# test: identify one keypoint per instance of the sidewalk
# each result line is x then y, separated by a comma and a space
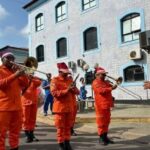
121, 112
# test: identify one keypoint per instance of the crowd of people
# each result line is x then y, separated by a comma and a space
19, 95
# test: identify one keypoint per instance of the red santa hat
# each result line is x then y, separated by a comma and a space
100, 70
63, 67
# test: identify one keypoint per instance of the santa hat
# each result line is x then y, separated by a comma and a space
63, 67
7, 54
100, 70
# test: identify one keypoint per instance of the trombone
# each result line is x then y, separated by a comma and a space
118, 82
30, 66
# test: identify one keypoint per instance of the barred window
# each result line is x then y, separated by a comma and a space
39, 22
90, 39
131, 27
40, 53
61, 12
86, 4
134, 73
61, 45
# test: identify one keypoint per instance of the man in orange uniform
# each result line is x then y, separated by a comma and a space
74, 112
10, 101
29, 103
62, 88
103, 103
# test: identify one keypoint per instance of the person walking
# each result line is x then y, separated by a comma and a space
12, 80
29, 104
62, 88
48, 96
103, 103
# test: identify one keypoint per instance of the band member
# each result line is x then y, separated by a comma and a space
62, 88
29, 104
103, 103
11, 83
74, 112
48, 96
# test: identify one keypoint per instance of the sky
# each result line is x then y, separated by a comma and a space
13, 23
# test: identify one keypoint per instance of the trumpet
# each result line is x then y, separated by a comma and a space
118, 82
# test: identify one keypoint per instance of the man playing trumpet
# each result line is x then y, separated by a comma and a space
11, 84
103, 103
63, 89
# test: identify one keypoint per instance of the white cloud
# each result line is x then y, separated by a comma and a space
25, 31
3, 12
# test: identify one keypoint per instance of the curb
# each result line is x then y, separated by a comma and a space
50, 119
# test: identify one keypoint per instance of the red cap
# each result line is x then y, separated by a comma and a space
100, 70
63, 67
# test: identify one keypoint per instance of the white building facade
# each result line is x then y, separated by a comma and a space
95, 31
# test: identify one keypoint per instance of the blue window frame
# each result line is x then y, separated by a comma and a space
39, 22
61, 11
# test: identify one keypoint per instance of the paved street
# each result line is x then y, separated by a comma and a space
127, 136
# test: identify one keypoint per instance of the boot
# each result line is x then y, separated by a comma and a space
73, 132
103, 140
15, 148
68, 146
61, 146
28, 137
33, 136
108, 140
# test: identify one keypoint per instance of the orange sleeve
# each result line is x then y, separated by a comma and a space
101, 90
23, 81
75, 91
6, 81
55, 91
37, 82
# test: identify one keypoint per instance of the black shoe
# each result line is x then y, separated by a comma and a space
68, 146
109, 140
28, 137
62, 146
33, 136
103, 140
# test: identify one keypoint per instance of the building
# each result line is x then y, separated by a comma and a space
20, 53
89, 32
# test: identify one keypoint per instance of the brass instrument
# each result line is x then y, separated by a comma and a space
118, 82
30, 66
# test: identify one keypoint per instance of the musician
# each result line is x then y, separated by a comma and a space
29, 100
103, 103
62, 88
74, 112
48, 96
11, 83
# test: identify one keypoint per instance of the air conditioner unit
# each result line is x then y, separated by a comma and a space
135, 54
71, 64
80, 63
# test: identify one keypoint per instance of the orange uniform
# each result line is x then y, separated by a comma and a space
74, 104
63, 106
103, 103
29, 103
10, 106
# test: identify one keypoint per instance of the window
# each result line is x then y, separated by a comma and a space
39, 22
40, 53
86, 4
131, 27
61, 47
134, 73
61, 11
90, 39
